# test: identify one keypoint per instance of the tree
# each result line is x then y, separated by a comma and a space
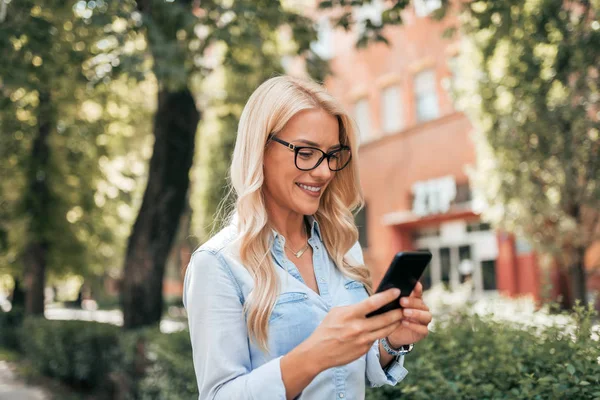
55, 137
183, 40
532, 91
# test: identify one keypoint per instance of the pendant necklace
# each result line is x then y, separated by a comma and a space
298, 253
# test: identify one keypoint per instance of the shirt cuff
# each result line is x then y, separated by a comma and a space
262, 380
378, 376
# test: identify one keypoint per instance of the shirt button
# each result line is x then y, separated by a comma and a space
341, 395
306, 296
317, 247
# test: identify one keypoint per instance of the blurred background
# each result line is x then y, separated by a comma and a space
479, 141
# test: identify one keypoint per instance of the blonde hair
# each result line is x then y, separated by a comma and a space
267, 111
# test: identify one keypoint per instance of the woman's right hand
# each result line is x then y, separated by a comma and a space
346, 333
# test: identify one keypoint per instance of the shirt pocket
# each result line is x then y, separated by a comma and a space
287, 304
293, 319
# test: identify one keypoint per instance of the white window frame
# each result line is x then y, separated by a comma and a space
424, 88
363, 122
392, 120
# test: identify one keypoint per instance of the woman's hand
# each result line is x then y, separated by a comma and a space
346, 334
416, 319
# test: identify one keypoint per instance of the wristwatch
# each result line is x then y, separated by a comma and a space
407, 348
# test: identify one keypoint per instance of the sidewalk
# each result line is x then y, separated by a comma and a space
11, 388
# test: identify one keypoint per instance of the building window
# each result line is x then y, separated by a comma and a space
425, 7
323, 47
360, 219
391, 109
488, 272
479, 227
463, 193
426, 96
363, 119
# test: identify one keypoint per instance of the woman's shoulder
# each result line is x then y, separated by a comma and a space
221, 251
212, 265
220, 242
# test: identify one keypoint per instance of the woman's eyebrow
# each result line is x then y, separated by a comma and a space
311, 143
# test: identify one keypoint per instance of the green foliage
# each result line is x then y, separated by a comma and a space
465, 357
97, 357
78, 353
10, 325
530, 85
53, 72
473, 357
170, 375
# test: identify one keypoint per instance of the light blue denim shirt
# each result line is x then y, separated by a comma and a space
228, 365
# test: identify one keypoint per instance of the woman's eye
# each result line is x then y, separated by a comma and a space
306, 154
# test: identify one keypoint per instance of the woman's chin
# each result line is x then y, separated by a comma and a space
308, 209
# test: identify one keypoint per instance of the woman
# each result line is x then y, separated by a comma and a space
277, 300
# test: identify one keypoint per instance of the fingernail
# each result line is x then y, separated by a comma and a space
408, 313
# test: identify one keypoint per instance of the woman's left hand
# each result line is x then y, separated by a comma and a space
416, 319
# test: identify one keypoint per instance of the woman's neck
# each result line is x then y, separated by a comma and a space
292, 226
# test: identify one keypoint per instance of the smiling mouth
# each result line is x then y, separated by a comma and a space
311, 189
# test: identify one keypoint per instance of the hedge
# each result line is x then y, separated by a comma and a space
465, 357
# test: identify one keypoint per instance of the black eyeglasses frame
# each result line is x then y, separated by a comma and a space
297, 149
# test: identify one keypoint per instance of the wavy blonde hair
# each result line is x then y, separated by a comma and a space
267, 111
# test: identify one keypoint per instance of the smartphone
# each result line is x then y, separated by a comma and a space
404, 273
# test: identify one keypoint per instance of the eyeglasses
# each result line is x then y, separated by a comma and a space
309, 158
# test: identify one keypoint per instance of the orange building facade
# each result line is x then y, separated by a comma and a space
414, 154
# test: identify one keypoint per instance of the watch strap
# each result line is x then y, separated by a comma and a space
405, 349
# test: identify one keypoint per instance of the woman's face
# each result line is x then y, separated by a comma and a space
285, 186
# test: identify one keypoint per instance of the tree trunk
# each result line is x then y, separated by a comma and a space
175, 125
38, 202
35, 258
17, 299
578, 278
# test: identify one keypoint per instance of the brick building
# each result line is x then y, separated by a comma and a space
415, 150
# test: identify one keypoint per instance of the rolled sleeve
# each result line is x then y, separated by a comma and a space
377, 376
220, 343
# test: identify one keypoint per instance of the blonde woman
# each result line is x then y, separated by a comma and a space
277, 300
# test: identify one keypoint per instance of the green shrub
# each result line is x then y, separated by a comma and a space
10, 323
170, 373
472, 357
466, 357
78, 353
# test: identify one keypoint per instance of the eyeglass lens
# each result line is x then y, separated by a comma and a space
307, 158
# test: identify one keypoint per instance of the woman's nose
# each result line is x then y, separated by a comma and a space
322, 171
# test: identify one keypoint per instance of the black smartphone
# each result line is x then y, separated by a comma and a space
404, 273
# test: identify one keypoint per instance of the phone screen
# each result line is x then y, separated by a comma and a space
404, 273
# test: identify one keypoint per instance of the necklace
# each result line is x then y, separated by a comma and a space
299, 253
